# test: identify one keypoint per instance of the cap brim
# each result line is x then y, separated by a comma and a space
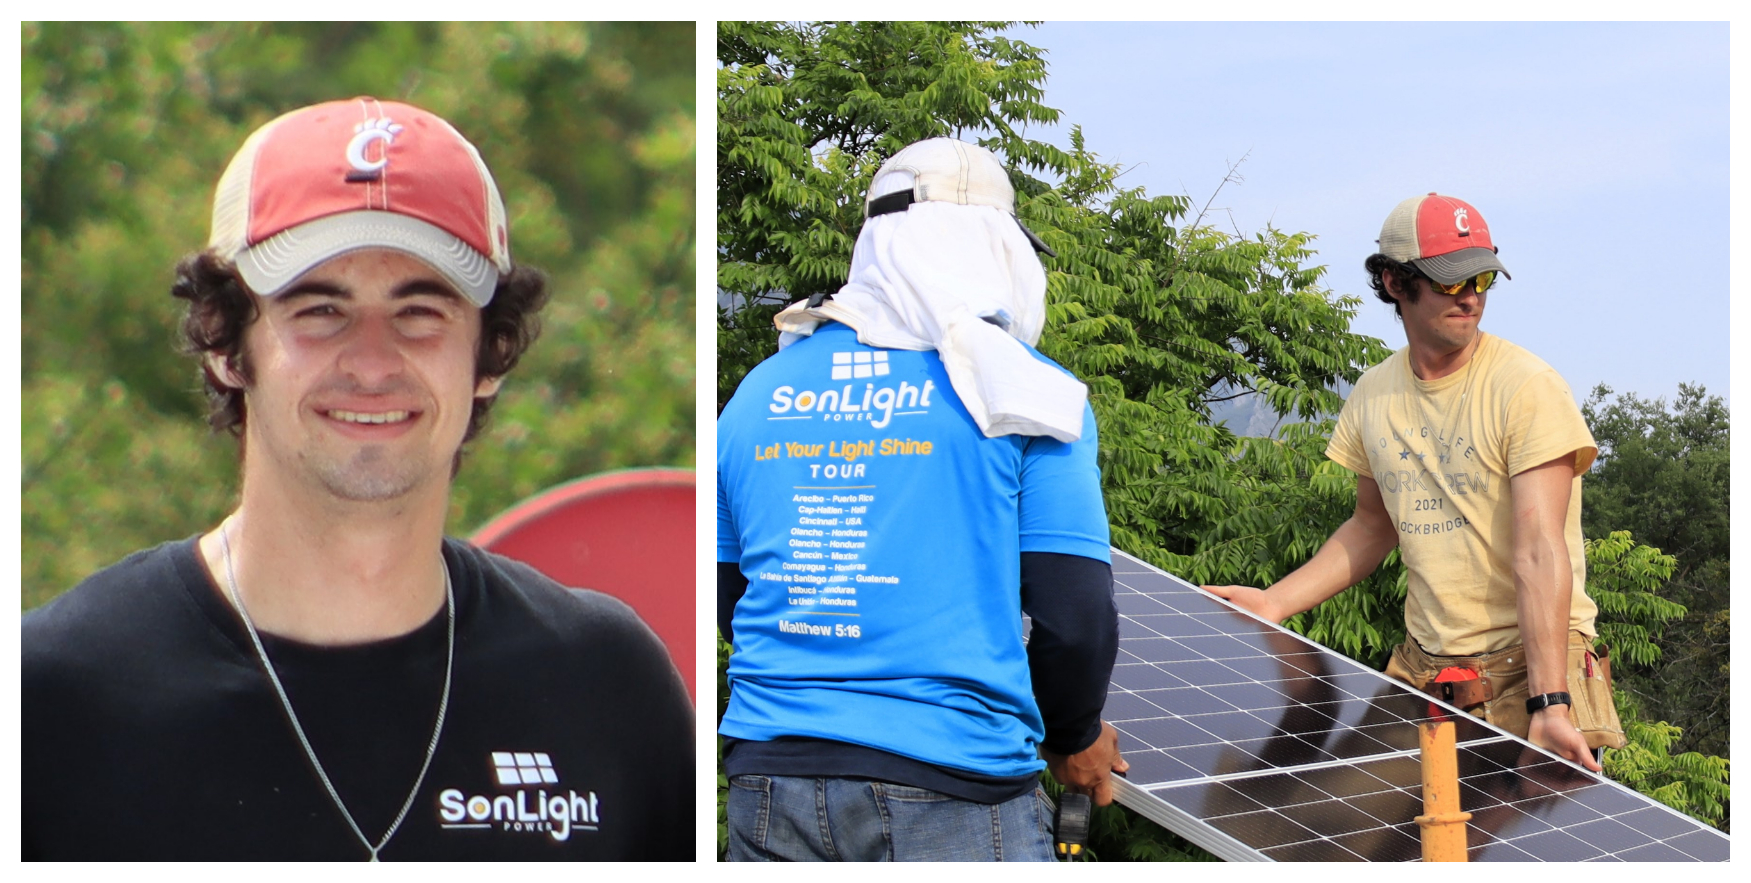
1458, 266
274, 263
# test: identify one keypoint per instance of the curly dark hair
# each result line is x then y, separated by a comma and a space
220, 308
1404, 278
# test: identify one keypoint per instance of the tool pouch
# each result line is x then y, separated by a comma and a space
1595, 711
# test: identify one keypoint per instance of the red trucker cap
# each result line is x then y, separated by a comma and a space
341, 176
1443, 236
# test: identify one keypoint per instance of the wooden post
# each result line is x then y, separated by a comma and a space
1442, 822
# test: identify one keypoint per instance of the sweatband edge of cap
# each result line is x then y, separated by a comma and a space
276, 262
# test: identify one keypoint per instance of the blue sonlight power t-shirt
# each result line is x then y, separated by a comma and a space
881, 534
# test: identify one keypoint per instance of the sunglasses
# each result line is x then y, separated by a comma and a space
1482, 281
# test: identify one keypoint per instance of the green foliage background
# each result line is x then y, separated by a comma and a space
1663, 470
1161, 315
588, 129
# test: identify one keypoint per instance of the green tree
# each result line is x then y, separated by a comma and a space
1623, 577
588, 128
1662, 473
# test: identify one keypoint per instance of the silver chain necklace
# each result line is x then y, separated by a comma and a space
298, 729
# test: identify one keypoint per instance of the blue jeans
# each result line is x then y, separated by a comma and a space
782, 818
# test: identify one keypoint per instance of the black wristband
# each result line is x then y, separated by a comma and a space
1545, 700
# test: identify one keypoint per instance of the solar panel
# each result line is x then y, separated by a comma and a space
1260, 745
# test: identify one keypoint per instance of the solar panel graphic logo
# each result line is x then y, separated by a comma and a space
873, 400
1260, 745
518, 808
857, 365
520, 768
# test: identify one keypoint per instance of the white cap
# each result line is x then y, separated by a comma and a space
945, 170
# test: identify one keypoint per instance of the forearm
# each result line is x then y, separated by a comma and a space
1543, 583
1071, 647
1354, 551
731, 585
1543, 576
1544, 587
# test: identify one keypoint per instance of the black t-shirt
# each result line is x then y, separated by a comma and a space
150, 731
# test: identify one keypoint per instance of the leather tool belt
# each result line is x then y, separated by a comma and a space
1465, 692
1499, 693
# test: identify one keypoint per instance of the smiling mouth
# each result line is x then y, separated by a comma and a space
374, 419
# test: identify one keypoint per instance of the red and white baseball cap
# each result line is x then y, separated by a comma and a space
1442, 236
341, 176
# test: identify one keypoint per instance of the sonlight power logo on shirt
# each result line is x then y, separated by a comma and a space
838, 401
529, 806
859, 364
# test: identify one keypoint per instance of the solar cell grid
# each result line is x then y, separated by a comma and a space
1261, 745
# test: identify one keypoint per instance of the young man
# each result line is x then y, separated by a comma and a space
1468, 452
324, 675
897, 486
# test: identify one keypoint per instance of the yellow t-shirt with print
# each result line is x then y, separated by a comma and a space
1442, 452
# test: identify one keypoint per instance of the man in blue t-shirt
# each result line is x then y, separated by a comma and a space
897, 487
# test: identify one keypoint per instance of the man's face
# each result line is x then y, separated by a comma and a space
363, 378
1443, 322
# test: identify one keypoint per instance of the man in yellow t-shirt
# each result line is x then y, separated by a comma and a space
1468, 452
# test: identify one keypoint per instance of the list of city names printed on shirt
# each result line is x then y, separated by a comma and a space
827, 560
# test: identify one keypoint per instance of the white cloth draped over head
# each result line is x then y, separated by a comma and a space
962, 280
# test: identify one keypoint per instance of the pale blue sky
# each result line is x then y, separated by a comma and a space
1598, 153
